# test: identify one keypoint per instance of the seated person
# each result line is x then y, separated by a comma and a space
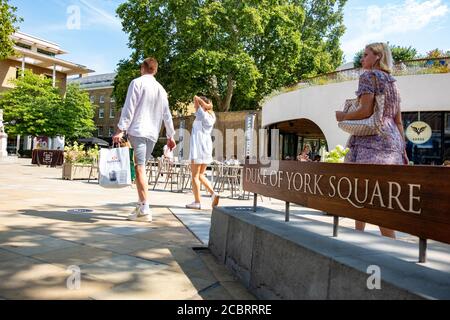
305, 155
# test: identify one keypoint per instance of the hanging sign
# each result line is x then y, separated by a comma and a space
419, 132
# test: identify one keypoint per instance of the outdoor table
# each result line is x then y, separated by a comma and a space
50, 158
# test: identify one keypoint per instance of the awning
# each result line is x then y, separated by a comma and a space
48, 62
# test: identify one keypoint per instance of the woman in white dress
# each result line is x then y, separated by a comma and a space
201, 149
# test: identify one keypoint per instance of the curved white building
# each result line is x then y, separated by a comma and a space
307, 115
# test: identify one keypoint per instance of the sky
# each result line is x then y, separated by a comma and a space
92, 33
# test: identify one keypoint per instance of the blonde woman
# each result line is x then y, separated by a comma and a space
201, 148
389, 146
304, 156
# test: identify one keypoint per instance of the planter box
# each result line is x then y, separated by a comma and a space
78, 172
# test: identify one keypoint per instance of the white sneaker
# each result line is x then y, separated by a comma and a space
215, 200
194, 205
138, 215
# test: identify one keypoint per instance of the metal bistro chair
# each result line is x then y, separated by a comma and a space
228, 175
94, 171
218, 169
233, 177
165, 167
152, 171
185, 176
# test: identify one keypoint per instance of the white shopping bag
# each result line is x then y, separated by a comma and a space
114, 168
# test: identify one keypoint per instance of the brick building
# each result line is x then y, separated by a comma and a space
107, 113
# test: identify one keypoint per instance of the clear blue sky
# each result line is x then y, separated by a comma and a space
99, 43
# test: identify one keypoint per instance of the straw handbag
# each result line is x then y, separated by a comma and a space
364, 127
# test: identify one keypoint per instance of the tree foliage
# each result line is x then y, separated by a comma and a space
399, 54
8, 23
234, 51
77, 113
437, 53
39, 109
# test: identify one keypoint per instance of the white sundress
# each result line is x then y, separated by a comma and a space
201, 146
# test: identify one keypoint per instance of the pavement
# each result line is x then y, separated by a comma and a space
51, 229
64, 239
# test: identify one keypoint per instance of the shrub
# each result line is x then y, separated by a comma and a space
337, 155
76, 154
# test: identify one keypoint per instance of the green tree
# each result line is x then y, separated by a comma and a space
231, 48
127, 71
399, 54
8, 23
76, 117
40, 110
436, 53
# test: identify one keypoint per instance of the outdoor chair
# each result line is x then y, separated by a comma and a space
94, 172
170, 170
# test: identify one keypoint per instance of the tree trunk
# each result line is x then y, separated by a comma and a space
223, 104
230, 89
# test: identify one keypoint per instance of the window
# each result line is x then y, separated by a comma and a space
25, 46
99, 131
47, 53
102, 99
112, 112
113, 100
92, 99
111, 131
433, 151
101, 113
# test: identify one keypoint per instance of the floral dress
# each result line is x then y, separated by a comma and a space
387, 148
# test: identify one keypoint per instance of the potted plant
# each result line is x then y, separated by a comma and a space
337, 155
78, 163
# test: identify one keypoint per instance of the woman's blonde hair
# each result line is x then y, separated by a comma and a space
382, 50
209, 104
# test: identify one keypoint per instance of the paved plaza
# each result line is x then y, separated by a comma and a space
42, 241
46, 237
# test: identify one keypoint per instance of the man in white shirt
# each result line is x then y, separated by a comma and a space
146, 107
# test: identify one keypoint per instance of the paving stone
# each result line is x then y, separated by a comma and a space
123, 245
32, 244
76, 255
120, 269
6, 255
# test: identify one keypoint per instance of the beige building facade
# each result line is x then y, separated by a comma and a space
42, 58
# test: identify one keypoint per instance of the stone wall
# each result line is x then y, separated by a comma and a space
300, 260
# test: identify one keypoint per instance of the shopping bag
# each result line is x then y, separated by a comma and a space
126, 143
114, 168
132, 168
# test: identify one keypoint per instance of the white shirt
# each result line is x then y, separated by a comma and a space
201, 146
146, 107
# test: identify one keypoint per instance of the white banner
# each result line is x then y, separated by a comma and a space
249, 134
181, 140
